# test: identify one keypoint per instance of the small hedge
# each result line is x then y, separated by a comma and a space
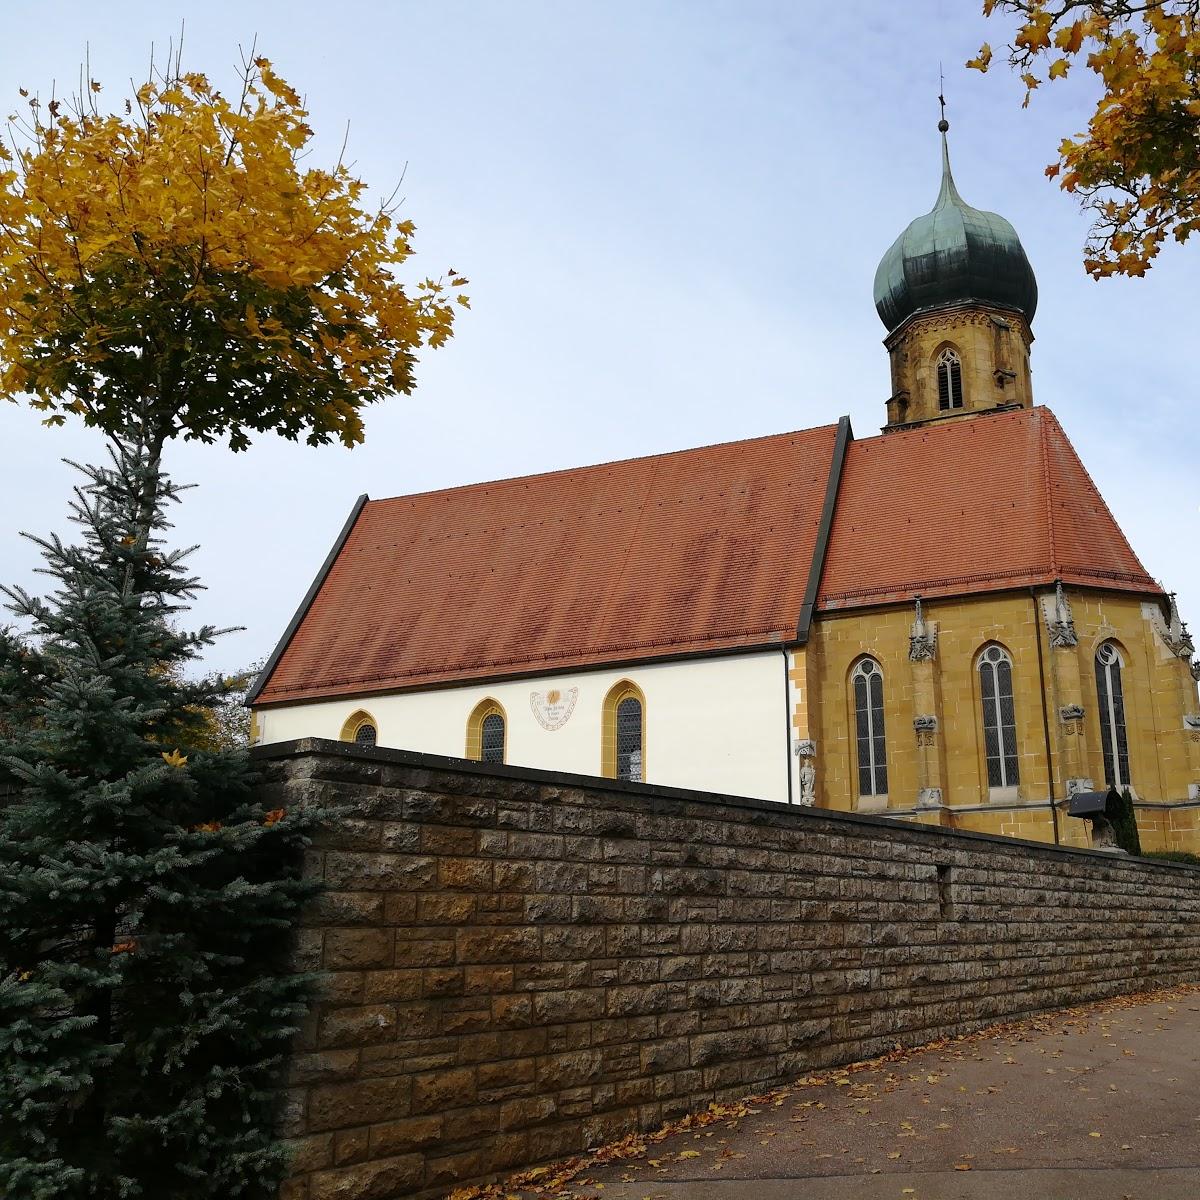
1183, 856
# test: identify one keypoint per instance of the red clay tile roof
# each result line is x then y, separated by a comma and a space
971, 506
697, 550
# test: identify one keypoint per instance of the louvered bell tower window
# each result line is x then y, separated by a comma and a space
999, 718
949, 374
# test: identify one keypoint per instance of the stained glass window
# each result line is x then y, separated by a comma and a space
869, 730
365, 734
1112, 715
629, 739
492, 738
999, 717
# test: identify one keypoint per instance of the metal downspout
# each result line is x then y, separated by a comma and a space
787, 724
1037, 632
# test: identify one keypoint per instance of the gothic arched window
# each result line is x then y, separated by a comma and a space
949, 374
1112, 715
361, 729
867, 681
999, 717
486, 730
623, 746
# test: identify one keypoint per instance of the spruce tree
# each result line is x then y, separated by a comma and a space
1132, 840
147, 896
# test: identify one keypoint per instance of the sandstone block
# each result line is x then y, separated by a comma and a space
437, 1091
363, 1102
357, 948
384, 1179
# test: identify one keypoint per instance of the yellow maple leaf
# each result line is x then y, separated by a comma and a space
174, 758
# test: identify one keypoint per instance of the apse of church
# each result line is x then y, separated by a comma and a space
947, 763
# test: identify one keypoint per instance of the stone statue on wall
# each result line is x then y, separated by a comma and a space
808, 782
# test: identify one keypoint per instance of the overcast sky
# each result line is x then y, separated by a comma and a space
671, 215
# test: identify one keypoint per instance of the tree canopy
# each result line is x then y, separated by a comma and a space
1136, 168
176, 269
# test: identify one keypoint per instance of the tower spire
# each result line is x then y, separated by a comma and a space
948, 193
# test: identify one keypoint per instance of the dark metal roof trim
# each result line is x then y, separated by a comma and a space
845, 435
290, 632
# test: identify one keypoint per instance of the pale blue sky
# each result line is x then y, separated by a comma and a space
671, 215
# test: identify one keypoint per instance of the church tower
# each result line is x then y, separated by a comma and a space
957, 295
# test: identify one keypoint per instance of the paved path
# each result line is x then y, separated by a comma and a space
1090, 1104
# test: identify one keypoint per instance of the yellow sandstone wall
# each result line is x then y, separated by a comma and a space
993, 345
1158, 687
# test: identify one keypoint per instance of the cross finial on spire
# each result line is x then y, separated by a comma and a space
943, 124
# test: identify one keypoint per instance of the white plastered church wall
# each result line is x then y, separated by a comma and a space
718, 724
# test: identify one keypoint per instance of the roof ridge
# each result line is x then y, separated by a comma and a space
612, 462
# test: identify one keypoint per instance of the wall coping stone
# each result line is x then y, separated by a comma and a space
654, 793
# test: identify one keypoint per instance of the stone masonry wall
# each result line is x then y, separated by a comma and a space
522, 965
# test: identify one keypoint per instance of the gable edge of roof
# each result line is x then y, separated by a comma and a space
301, 612
841, 441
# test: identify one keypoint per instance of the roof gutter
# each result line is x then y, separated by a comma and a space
845, 435
290, 632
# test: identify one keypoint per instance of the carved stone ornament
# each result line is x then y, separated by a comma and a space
1196, 670
926, 721
929, 798
806, 749
920, 326
1191, 720
1178, 639
922, 639
1079, 784
553, 709
1070, 712
1062, 624
808, 783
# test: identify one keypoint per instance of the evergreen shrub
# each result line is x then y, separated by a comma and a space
147, 895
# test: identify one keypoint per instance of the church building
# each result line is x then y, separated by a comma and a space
941, 623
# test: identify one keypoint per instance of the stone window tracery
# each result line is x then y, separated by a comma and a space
949, 375
867, 682
1111, 695
999, 717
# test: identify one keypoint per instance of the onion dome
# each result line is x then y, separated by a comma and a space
952, 255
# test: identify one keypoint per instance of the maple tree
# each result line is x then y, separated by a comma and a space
1136, 168
176, 269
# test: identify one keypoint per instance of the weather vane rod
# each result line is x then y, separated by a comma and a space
943, 124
